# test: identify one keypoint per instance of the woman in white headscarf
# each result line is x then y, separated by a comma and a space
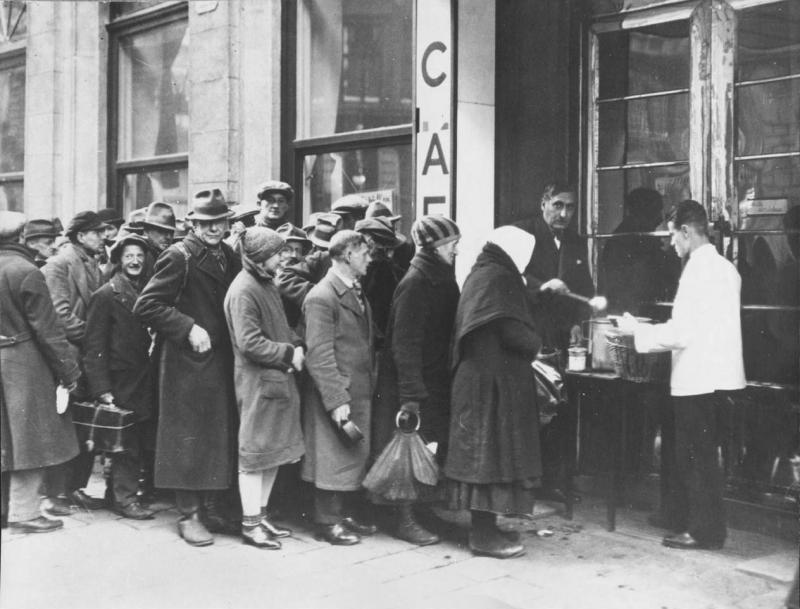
494, 464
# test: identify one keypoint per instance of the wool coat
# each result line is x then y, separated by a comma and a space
494, 428
296, 280
32, 434
554, 314
72, 277
415, 363
196, 438
266, 392
340, 362
116, 349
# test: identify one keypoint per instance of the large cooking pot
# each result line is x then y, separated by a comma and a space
594, 332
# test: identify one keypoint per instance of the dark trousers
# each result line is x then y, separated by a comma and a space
698, 475
125, 469
188, 502
331, 507
71, 476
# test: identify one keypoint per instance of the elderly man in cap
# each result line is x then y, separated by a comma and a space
40, 236
340, 361
117, 367
158, 226
183, 302
34, 355
274, 199
72, 276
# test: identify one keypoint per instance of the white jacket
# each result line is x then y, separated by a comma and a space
705, 332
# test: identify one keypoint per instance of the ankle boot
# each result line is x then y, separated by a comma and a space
485, 539
408, 529
192, 530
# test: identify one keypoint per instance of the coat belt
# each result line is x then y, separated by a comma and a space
10, 341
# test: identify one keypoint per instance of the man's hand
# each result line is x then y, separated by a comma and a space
199, 339
298, 358
341, 414
575, 335
627, 324
106, 398
554, 285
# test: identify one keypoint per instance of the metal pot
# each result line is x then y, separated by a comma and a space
594, 331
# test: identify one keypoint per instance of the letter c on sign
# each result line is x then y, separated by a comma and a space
429, 80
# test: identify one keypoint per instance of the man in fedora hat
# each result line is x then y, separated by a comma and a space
403, 253
158, 226
117, 367
34, 356
72, 276
274, 199
40, 236
183, 302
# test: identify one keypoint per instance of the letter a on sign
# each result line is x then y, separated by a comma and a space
435, 148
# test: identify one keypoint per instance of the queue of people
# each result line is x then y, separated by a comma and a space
250, 344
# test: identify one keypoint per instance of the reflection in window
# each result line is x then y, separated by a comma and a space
170, 186
377, 173
153, 105
355, 63
11, 196
12, 132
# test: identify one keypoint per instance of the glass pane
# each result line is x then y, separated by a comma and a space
15, 17
644, 130
769, 41
141, 189
671, 182
11, 196
153, 108
382, 174
357, 71
646, 60
12, 118
771, 345
768, 118
760, 183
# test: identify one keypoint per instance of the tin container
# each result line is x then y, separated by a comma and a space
577, 358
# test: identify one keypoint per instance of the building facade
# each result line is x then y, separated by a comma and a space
462, 107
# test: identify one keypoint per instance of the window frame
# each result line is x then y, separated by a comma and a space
13, 58
125, 25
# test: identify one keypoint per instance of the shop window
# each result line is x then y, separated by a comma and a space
354, 103
12, 131
663, 85
149, 109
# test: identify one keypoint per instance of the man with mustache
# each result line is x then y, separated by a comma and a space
116, 364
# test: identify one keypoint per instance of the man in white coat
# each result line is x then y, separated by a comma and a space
705, 337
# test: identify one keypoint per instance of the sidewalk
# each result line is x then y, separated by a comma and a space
102, 560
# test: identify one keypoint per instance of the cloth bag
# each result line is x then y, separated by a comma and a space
406, 470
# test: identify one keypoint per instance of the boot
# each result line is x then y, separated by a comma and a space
193, 531
485, 539
215, 520
408, 529
253, 534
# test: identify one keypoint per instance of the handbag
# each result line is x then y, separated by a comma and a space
550, 391
102, 427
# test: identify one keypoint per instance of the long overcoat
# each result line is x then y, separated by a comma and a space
266, 391
340, 339
196, 438
415, 363
116, 347
34, 357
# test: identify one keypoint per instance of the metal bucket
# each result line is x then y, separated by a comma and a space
594, 331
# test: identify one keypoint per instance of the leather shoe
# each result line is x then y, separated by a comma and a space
134, 511
58, 506
363, 530
273, 530
37, 525
684, 541
82, 500
194, 532
260, 538
408, 529
338, 535
494, 544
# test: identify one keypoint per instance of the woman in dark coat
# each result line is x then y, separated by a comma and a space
493, 461
266, 353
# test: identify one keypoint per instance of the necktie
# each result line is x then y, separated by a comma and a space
219, 256
359, 292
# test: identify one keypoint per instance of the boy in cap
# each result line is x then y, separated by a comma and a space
274, 199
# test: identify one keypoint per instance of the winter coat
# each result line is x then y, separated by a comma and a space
379, 285
553, 314
340, 362
494, 427
72, 277
32, 433
415, 363
296, 280
116, 347
266, 391
196, 439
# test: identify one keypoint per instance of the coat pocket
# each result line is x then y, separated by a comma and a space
274, 384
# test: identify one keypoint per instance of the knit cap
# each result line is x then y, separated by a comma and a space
258, 243
433, 231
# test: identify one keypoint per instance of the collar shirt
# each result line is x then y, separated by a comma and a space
349, 283
704, 333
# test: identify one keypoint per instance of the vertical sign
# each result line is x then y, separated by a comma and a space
434, 100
